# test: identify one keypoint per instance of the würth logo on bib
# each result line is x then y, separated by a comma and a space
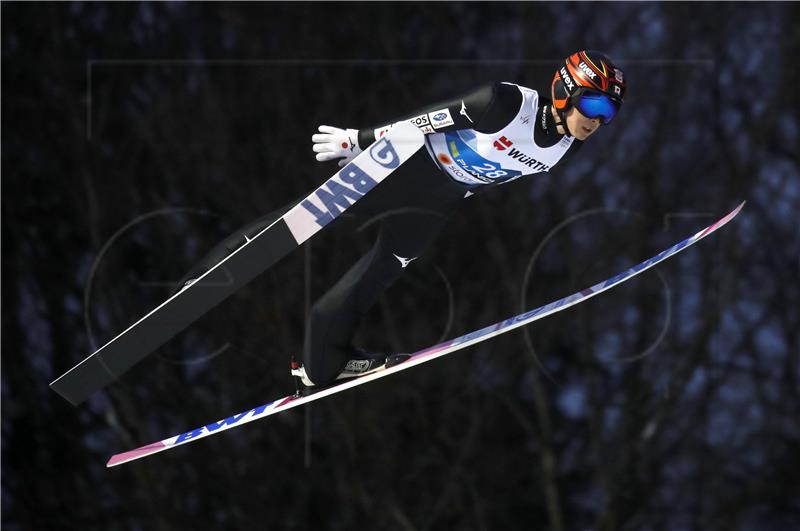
527, 160
502, 143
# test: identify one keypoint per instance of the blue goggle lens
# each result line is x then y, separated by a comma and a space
596, 105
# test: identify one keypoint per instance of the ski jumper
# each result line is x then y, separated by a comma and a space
489, 136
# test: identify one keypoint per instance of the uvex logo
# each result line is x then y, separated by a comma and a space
502, 143
586, 70
567, 79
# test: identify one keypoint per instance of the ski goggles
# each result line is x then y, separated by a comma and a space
596, 105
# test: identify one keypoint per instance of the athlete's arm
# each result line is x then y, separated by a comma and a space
487, 109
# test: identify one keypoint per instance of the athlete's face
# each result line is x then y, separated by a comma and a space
580, 126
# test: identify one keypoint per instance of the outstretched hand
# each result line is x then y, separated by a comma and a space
334, 143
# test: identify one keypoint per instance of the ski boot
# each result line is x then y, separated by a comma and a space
363, 363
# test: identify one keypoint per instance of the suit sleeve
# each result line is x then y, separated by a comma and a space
487, 109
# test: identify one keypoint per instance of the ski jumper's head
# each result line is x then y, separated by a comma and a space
587, 92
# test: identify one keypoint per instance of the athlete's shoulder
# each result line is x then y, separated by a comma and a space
511, 87
510, 90
503, 105
498, 91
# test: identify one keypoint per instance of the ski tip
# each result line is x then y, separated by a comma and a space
125, 457
733, 213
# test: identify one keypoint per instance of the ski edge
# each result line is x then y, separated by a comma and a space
422, 356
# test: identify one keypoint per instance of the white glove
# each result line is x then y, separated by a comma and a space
334, 143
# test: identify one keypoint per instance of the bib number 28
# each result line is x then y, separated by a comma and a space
488, 170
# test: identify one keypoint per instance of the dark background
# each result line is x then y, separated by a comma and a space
135, 136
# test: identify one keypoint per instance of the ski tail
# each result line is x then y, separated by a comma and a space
227, 246
253, 257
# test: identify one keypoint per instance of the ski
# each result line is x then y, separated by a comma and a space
417, 358
257, 254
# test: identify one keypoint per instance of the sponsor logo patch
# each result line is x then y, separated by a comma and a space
527, 160
587, 70
440, 118
454, 149
464, 111
404, 261
421, 120
567, 78
358, 365
214, 426
444, 159
384, 154
337, 194
502, 143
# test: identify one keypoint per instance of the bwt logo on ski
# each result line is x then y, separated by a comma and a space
214, 426
349, 185
384, 154
647, 263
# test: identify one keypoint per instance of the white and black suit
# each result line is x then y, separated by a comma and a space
492, 135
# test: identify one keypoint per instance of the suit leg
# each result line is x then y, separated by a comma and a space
337, 314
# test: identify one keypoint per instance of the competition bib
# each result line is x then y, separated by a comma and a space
475, 158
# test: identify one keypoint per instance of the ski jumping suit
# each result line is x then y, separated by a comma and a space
490, 136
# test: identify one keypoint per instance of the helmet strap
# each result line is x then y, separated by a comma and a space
562, 119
